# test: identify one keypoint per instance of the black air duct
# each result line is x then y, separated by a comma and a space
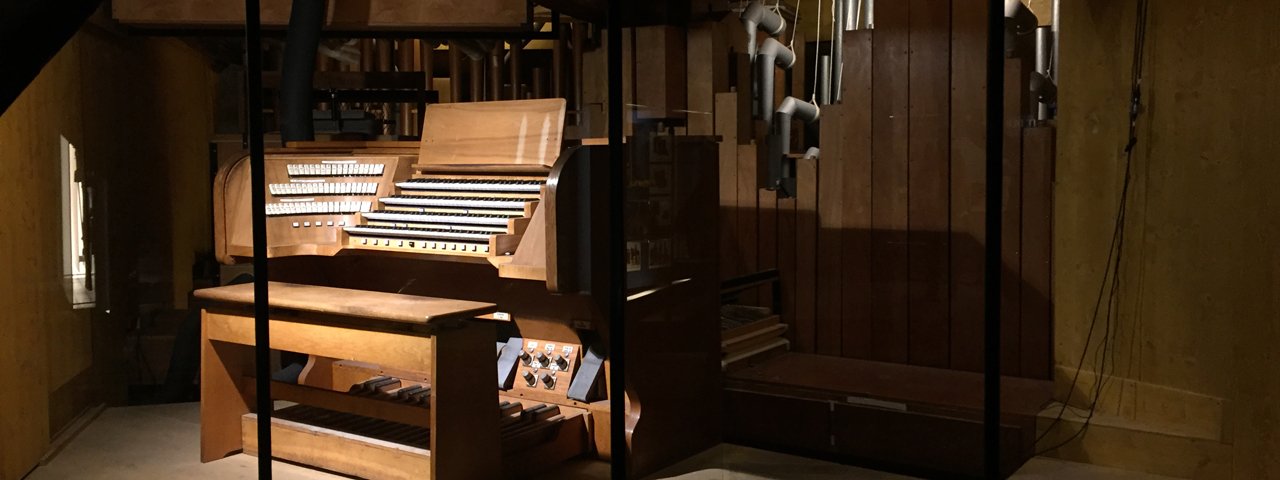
303, 39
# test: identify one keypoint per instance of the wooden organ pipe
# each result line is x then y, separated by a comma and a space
428, 63
383, 48
477, 80
539, 87
579, 43
557, 66
455, 74
366, 54
495, 71
516, 48
404, 63
384, 54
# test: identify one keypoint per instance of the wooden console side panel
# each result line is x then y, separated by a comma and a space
464, 440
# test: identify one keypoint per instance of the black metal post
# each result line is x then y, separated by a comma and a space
617, 241
995, 199
258, 188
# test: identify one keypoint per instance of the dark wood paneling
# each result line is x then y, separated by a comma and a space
725, 118
1037, 252
931, 445
890, 150
968, 185
787, 262
882, 251
830, 204
928, 176
806, 255
777, 421
1011, 226
767, 246
855, 163
748, 217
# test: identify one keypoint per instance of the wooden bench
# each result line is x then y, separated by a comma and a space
441, 336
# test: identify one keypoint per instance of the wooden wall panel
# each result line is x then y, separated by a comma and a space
767, 243
806, 235
855, 164
890, 149
968, 180
928, 173
887, 234
787, 262
748, 217
1011, 225
133, 108
827, 304
726, 128
1037, 252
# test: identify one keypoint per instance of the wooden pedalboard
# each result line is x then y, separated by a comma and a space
372, 422
534, 438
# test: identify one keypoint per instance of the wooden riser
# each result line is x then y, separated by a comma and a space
338, 451
902, 440
382, 450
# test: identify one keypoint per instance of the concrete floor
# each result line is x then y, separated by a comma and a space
162, 441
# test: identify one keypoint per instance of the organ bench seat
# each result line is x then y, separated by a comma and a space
443, 337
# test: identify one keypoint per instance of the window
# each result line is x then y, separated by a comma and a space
77, 258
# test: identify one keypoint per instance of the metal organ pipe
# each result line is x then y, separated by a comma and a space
792, 107
824, 80
771, 53
837, 53
757, 17
1042, 83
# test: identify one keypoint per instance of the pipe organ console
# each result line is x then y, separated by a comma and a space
488, 209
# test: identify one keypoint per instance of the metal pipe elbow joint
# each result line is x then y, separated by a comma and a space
772, 54
757, 17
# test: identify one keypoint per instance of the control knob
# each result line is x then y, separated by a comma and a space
558, 362
549, 381
530, 378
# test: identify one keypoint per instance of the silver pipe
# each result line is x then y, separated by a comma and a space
772, 53
1054, 67
850, 14
757, 17
1042, 83
837, 54
824, 76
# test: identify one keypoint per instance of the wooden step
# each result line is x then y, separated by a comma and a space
339, 451
917, 420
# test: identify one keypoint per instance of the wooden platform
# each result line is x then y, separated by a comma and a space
917, 419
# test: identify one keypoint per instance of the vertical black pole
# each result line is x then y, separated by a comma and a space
261, 332
995, 199
617, 271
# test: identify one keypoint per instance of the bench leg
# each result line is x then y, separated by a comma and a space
222, 402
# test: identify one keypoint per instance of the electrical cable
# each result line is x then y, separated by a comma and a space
1115, 254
